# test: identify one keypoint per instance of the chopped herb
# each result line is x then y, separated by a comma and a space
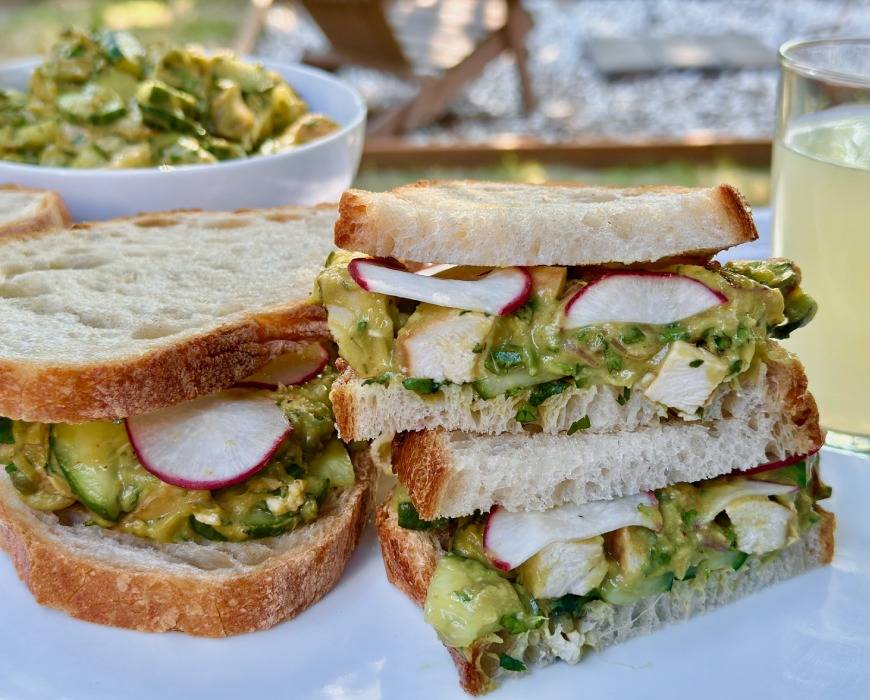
689, 517
509, 663
514, 391
738, 560
578, 372
623, 397
6, 437
632, 335
504, 358
517, 623
581, 424
383, 378
696, 363
672, 332
657, 558
568, 604
542, 392
462, 596
525, 312
526, 414
421, 385
612, 360
735, 367
362, 324
741, 335
410, 519
477, 349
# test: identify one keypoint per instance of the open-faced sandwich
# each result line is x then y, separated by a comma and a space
169, 452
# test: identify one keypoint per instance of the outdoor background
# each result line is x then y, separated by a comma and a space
730, 110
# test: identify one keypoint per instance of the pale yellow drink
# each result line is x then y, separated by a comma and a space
821, 180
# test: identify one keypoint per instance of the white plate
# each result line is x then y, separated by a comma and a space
805, 638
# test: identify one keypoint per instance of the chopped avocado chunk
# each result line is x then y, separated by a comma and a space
333, 463
467, 601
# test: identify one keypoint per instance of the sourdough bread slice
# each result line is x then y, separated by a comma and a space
215, 589
498, 224
450, 474
25, 210
116, 318
410, 558
371, 411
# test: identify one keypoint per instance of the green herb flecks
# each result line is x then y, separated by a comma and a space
509, 663
582, 424
421, 385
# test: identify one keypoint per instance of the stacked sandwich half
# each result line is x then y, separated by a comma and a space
593, 427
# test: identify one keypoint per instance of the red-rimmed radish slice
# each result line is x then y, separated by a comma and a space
510, 539
291, 368
212, 441
500, 292
639, 297
778, 464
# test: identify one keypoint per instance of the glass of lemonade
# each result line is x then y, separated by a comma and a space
821, 210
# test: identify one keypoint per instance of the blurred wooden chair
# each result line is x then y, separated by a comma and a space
441, 44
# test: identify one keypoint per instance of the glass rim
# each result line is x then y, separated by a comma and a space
788, 60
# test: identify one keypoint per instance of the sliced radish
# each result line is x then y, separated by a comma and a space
500, 292
716, 498
779, 464
209, 442
291, 368
640, 297
512, 538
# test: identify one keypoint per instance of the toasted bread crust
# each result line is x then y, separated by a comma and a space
198, 602
403, 550
424, 465
51, 214
197, 366
379, 224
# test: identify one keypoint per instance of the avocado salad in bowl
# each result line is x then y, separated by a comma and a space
169, 127
102, 100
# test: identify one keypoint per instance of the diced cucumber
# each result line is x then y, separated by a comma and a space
725, 559
497, 384
261, 522
621, 593
89, 456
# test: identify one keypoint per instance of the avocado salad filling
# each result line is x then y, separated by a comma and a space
102, 100
90, 472
543, 596
544, 346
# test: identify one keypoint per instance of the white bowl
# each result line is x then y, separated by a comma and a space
309, 174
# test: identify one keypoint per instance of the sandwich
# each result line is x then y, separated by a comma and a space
594, 429
167, 442
26, 210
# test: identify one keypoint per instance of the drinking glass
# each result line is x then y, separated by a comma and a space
821, 213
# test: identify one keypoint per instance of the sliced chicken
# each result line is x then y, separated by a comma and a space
575, 567
686, 378
443, 344
761, 525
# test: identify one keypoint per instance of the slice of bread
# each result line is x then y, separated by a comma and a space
410, 558
498, 224
116, 318
450, 474
25, 210
370, 411
214, 589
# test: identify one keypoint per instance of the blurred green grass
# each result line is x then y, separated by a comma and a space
29, 28
753, 182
